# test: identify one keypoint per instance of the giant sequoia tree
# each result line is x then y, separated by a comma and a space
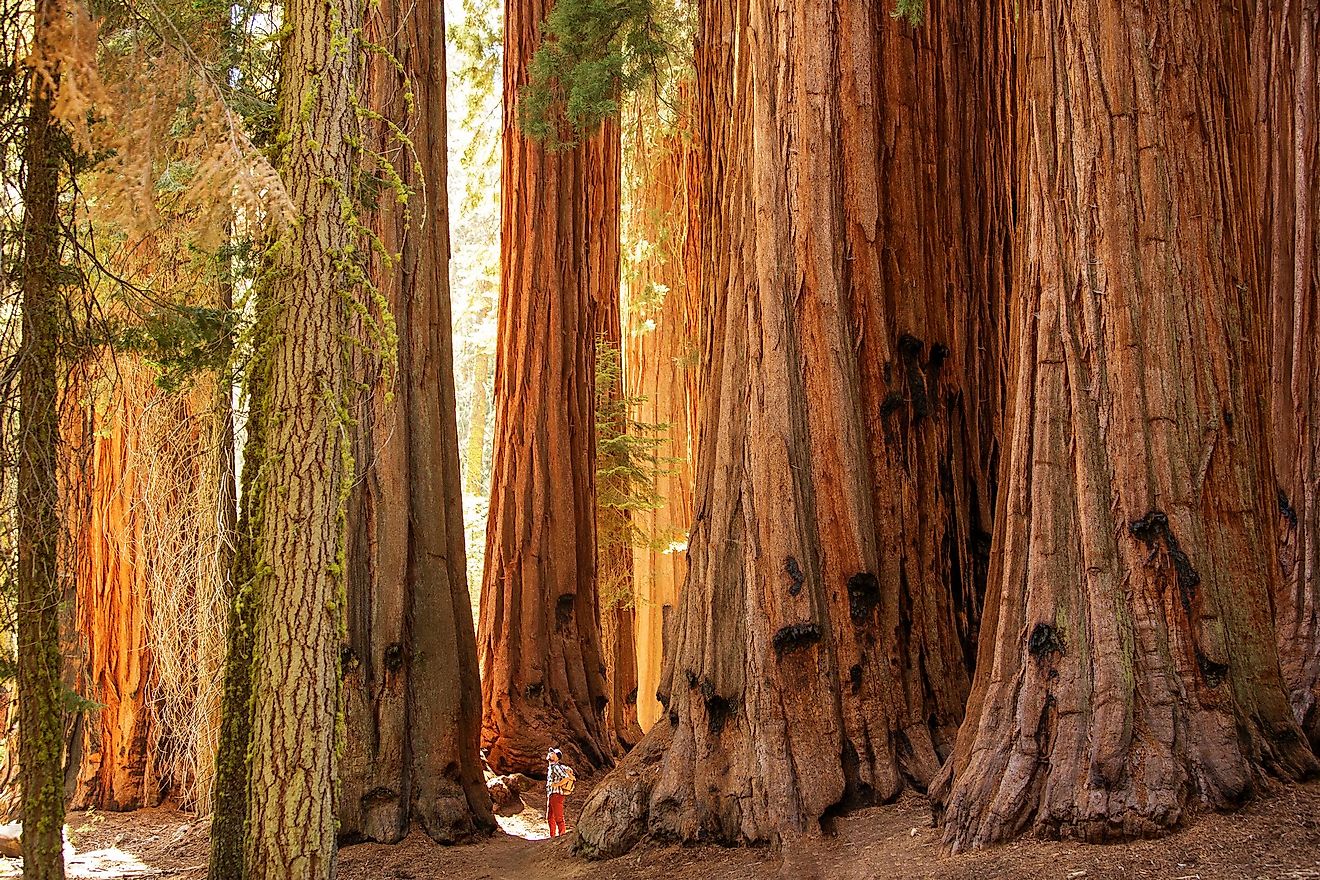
1127, 674
543, 673
818, 657
411, 690
1288, 116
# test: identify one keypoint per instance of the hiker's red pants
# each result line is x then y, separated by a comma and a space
556, 815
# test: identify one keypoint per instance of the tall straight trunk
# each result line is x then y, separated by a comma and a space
298, 572
614, 481
660, 377
1127, 674
1288, 108
229, 783
40, 691
543, 670
411, 689
818, 660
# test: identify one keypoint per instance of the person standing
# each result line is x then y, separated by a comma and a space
559, 779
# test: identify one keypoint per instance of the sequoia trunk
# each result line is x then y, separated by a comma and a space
543, 670
1288, 107
298, 577
818, 659
411, 688
1127, 675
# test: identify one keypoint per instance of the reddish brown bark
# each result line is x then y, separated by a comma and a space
818, 657
543, 670
1127, 676
1288, 112
411, 688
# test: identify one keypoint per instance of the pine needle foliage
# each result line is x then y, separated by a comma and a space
592, 54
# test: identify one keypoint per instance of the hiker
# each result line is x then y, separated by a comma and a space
559, 779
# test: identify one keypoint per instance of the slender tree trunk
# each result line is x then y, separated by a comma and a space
229, 788
818, 660
1127, 675
660, 375
1288, 108
40, 691
307, 468
411, 689
543, 670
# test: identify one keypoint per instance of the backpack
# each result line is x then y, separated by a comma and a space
566, 784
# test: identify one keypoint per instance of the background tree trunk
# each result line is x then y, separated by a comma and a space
307, 464
614, 530
411, 688
38, 587
660, 369
1288, 108
1126, 670
543, 670
111, 757
819, 658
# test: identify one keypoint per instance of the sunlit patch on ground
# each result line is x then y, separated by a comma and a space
96, 863
530, 824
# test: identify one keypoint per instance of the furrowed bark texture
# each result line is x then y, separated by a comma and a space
818, 658
1126, 672
412, 698
614, 575
660, 375
299, 530
1288, 108
38, 590
543, 669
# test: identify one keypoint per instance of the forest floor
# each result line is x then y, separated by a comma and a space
1276, 838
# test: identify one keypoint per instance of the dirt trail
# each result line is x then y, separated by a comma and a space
1277, 839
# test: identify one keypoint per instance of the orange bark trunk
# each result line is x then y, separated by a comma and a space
819, 657
542, 662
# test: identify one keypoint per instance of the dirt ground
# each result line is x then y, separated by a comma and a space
1278, 838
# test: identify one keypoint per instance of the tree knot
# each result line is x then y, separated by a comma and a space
1044, 640
863, 596
795, 637
795, 574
